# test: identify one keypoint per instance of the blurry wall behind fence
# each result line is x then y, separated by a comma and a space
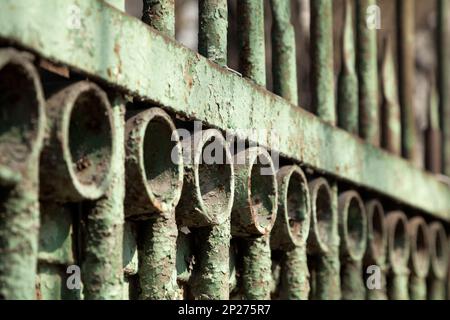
214, 149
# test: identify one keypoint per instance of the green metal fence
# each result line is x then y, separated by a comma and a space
95, 106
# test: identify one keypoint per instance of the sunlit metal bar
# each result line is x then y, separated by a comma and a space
254, 214
391, 135
291, 231
398, 255
406, 54
375, 256
205, 207
322, 65
323, 242
348, 102
284, 65
419, 260
213, 30
443, 42
439, 261
251, 39
22, 127
368, 17
180, 81
353, 238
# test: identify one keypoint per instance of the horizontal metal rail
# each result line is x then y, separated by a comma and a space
100, 41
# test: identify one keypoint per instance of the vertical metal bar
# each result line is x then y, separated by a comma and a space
406, 18
443, 29
439, 261
251, 36
322, 67
391, 122
253, 216
284, 66
369, 127
323, 241
419, 261
213, 31
103, 254
348, 113
23, 114
375, 257
433, 148
160, 14
291, 230
398, 255
212, 274
153, 183
353, 235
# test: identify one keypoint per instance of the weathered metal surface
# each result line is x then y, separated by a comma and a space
322, 66
443, 50
348, 102
439, 254
253, 216
160, 14
398, 255
376, 247
391, 134
369, 128
353, 236
252, 53
284, 66
102, 260
213, 30
22, 132
323, 242
291, 231
182, 79
419, 260
406, 61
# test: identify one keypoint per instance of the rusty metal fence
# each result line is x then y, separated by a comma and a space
95, 105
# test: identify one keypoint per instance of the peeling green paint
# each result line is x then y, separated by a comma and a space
160, 14
213, 30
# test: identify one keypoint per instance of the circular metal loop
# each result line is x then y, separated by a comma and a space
22, 116
80, 145
293, 220
323, 217
420, 247
352, 225
209, 182
438, 250
154, 164
398, 241
376, 233
255, 209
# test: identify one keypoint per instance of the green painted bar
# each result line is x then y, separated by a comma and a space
160, 14
251, 40
348, 102
443, 13
368, 71
213, 30
322, 64
108, 46
284, 66
406, 54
